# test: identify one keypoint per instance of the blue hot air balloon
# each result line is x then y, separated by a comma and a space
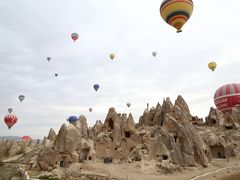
72, 119
96, 87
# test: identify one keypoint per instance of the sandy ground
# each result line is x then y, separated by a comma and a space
147, 171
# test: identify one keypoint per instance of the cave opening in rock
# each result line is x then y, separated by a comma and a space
217, 151
127, 134
175, 138
165, 157
61, 163
111, 124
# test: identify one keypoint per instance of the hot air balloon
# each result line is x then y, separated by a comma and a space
128, 104
212, 65
176, 12
96, 87
10, 110
112, 56
49, 58
227, 96
90, 109
56, 75
26, 138
154, 53
21, 97
74, 36
72, 119
10, 120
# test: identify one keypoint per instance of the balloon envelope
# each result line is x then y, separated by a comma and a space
72, 119
96, 87
10, 120
74, 36
49, 58
26, 138
10, 110
176, 12
112, 56
56, 75
154, 53
90, 109
212, 65
21, 97
128, 104
227, 96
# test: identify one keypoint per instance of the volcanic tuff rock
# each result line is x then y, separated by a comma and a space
164, 136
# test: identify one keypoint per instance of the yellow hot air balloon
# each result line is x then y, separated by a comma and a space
176, 12
112, 56
212, 65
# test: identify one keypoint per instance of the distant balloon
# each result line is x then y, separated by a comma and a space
112, 56
154, 53
21, 97
227, 96
90, 109
10, 110
96, 87
56, 75
176, 12
212, 65
26, 138
10, 120
74, 36
128, 104
49, 58
72, 119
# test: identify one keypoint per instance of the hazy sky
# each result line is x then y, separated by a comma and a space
32, 30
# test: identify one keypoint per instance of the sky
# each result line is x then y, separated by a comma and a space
30, 31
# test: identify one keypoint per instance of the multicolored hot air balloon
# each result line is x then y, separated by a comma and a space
212, 65
90, 109
49, 58
21, 98
10, 120
227, 96
154, 53
72, 119
96, 87
26, 138
176, 12
128, 104
112, 56
10, 110
74, 36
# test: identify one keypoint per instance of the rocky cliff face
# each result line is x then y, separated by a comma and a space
167, 135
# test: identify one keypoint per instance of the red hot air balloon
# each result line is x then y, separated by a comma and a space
10, 120
227, 96
26, 138
74, 36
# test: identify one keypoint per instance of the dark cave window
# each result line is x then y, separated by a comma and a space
165, 157
127, 134
111, 124
175, 138
61, 163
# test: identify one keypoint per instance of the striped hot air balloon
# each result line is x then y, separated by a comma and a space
176, 12
227, 96
10, 120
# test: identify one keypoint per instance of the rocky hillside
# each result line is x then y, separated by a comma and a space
167, 135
